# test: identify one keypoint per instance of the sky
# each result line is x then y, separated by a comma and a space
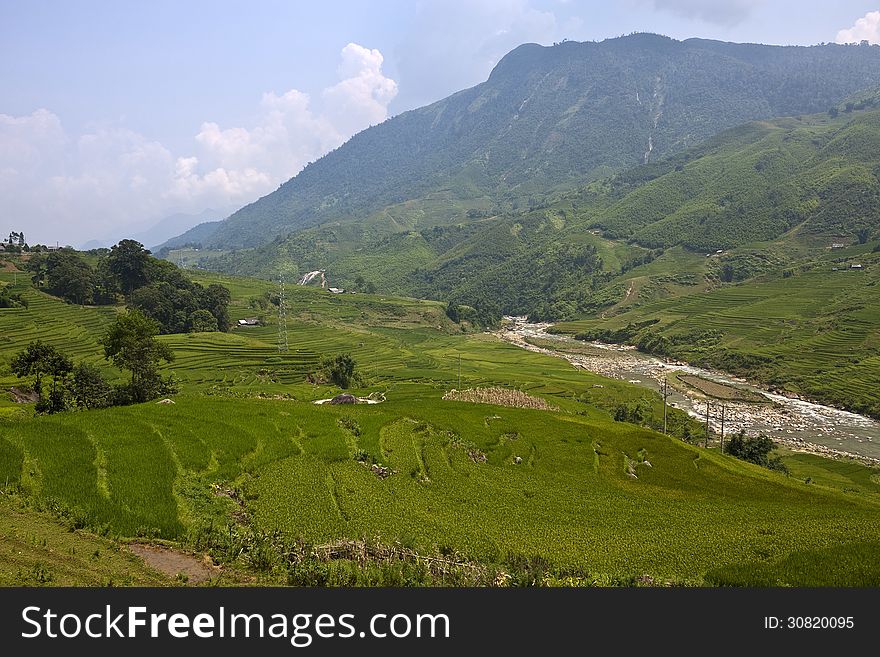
115, 114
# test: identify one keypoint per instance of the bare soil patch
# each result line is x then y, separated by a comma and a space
173, 562
20, 396
720, 390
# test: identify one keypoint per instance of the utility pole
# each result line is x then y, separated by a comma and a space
706, 443
723, 408
282, 316
665, 395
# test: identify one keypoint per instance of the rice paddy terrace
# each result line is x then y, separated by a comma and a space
583, 493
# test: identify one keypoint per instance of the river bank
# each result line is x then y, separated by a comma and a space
798, 424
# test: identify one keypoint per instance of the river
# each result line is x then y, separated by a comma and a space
796, 423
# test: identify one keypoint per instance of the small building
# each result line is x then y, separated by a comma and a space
856, 266
336, 290
249, 321
2, 246
838, 245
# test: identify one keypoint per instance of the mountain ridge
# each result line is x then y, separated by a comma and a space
550, 117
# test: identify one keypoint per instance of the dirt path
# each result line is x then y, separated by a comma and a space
174, 563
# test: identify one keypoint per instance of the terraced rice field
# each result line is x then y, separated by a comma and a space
569, 499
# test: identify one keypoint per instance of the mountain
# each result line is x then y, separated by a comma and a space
195, 236
807, 182
546, 119
163, 230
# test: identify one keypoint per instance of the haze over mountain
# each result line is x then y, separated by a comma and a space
162, 230
547, 119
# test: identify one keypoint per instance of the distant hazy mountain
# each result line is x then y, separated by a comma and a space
163, 230
195, 236
546, 119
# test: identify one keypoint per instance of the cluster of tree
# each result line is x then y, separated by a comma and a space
12, 299
754, 449
129, 343
340, 370
485, 313
155, 287
361, 285
638, 261
17, 238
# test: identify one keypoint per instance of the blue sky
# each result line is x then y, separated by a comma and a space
115, 114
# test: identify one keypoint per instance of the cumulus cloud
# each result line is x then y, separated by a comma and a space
720, 12
73, 188
865, 28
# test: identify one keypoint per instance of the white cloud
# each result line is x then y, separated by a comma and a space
73, 188
865, 28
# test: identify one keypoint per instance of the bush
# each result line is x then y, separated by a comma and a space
339, 370
755, 449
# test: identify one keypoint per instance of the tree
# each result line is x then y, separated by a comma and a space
339, 369
89, 388
129, 262
70, 277
131, 344
727, 272
216, 299
38, 360
202, 321
452, 312
863, 235
34, 361
754, 449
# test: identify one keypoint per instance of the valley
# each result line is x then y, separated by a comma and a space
437, 355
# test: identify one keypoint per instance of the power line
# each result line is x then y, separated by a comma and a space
282, 316
706, 444
665, 395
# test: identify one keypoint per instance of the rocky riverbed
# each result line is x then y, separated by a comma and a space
796, 423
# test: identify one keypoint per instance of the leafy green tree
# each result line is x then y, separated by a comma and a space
39, 359
216, 299
452, 312
754, 449
89, 388
202, 321
131, 344
70, 277
128, 262
37, 267
340, 369
36, 361
863, 235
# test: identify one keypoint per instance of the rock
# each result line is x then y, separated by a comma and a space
344, 398
517, 459
165, 401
